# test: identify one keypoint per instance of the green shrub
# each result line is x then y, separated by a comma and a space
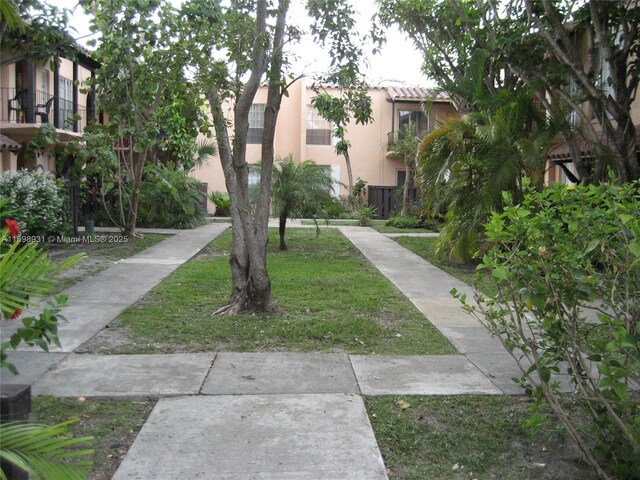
364, 215
408, 221
412, 221
566, 263
334, 208
170, 199
35, 201
222, 203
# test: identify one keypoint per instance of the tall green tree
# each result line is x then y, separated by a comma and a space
336, 30
606, 79
298, 187
141, 81
351, 102
36, 31
236, 48
407, 148
594, 46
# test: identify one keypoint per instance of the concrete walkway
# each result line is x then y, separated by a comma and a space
264, 416
429, 289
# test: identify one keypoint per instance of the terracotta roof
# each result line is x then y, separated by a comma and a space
417, 94
7, 144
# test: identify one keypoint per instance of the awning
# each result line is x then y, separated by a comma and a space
7, 144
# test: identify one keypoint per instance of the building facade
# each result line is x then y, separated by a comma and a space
304, 134
44, 92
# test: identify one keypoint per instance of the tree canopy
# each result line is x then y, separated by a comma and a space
579, 57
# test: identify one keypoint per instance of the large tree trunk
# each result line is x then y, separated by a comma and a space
251, 283
137, 167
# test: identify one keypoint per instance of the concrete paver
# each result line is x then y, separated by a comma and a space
419, 375
501, 368
444, 312
269, 373
429, 289
126, 375
473, 339
411, 274
283, 437
31, 366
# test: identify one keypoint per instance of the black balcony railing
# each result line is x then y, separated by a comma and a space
17, 106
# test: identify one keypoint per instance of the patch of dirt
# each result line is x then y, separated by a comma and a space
110, 340
94, 263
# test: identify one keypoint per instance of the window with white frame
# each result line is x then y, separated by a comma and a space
65, 102
318, 129
256, 123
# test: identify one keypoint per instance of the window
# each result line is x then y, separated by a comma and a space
401, 177
65, 108
416, 117
318, 129
256, 123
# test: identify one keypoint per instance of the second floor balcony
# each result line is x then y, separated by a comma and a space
21, 106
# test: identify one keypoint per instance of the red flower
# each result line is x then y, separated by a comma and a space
16, 314
14, 228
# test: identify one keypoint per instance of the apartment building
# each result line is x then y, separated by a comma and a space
303, 133
33, 93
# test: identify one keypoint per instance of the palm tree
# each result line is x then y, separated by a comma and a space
298, 187
10, 19
465, 165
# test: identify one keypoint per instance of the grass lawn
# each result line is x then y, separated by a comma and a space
468, 437
114, 425
99, 255
330, 297
425, 247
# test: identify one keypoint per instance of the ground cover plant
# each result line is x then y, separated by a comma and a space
114, 425
467, 437
329, 299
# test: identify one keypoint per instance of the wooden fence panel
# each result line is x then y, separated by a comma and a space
383, 199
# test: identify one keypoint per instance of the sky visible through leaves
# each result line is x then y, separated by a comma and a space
398, 61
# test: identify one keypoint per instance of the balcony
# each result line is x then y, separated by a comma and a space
19, 108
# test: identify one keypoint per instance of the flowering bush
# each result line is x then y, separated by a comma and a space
35, 201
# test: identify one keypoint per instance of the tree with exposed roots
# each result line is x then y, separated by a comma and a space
236, 48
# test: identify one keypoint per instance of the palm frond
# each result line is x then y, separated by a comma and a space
27, 273
46, 452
